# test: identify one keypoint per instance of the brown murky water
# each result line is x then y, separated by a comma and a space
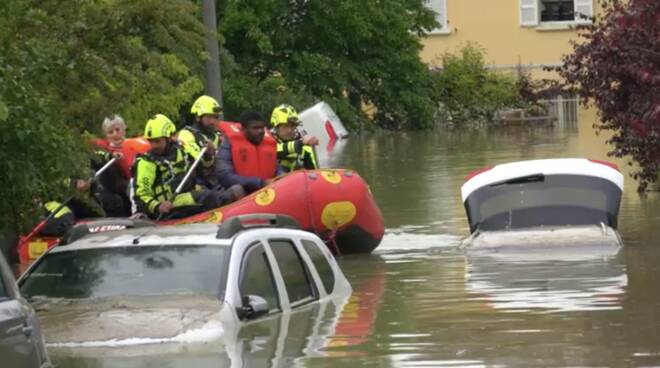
419, 303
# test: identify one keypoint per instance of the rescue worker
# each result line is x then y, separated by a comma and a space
60, 223
294, 151
248, 154
160, 171
203, 133
84, 203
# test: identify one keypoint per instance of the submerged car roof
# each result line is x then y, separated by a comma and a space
557, 166
186, 234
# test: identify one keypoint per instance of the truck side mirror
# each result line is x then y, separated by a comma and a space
253, 306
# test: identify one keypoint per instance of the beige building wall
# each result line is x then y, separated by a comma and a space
496, 26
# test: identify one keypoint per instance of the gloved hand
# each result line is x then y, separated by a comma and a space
165, 207
310, 140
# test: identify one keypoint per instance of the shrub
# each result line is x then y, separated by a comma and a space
469, 92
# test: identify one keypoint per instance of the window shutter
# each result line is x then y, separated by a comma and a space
583, 8
529, 13
440, 9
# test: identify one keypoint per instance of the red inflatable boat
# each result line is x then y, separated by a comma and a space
335, 204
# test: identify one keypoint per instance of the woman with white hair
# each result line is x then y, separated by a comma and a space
115, 181
116, 143
114, 129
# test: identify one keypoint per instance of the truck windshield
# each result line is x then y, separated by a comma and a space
128, 271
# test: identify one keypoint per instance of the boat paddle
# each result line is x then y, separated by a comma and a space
52, 214
176, 192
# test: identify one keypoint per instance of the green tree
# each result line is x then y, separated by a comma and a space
34, 142
243, 91
134, 57
66, 64
350, 53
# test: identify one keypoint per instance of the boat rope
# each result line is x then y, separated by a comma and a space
332, 241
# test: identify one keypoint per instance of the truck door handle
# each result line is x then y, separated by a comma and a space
27, 330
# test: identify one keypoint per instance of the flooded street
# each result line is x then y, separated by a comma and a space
441, 308
418, 302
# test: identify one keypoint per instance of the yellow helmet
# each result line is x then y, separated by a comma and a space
283, 114
159, 126
205, 105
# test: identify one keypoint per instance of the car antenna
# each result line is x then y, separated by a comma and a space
136, 240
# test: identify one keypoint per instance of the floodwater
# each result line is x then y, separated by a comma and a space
418, 302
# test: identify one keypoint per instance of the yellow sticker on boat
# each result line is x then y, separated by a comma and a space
215, 217
337, 214
332, 177
37, 248
265, 197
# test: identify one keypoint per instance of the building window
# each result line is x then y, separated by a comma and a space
557, 10
440, 9
533, 12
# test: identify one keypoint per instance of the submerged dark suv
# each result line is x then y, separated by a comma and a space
21, 342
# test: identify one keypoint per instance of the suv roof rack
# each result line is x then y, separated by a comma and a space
81, 230
234, 225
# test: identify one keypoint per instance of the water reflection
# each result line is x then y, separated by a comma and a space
355, 324
270, 342
563, 285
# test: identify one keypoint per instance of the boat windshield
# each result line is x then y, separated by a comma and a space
128, 271
543, 200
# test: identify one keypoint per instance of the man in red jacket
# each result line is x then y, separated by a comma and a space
248, 154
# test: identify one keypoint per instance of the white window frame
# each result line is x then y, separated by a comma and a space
531, 6
439, 7
534, 6
577, 4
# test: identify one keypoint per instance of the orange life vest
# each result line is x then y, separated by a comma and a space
130, 148
251, 160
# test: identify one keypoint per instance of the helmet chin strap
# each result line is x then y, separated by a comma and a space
209, 128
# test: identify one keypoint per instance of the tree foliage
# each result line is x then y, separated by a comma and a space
67, 64
37, 149
617, 68
133, 57
351, 53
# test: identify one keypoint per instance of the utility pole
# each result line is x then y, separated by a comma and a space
213, 76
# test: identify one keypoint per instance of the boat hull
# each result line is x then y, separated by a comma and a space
337, 205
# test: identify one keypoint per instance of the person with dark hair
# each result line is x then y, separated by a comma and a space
248, 154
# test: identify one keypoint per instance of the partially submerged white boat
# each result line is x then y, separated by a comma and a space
322, 122
569, 205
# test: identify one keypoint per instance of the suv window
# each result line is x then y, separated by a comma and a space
321, 264
295, 275
257, 277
